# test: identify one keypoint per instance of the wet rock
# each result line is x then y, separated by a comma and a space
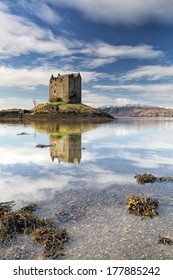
23, 133
165, 240
42, 146
165, 179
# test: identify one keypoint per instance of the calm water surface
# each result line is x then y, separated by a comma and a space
84, 178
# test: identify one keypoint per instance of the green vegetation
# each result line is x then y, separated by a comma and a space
63, 107
58, 103
59, 134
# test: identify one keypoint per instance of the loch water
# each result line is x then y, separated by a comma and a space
82, 180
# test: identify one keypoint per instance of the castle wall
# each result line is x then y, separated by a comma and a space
58, 89
75, 88
65, 88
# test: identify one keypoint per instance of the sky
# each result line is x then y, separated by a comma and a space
122, 48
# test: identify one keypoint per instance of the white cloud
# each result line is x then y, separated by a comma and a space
159, 94
151, 72
99, 53
123, 101
30, 77
132, 87
96, 99
164, 87
104, 50
3, 7
121, 12
96, 62
23, 77
43, 11
21, 36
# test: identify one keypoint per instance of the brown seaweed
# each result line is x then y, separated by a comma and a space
150, 178
23, 221
145, 178
52, 239
142, 206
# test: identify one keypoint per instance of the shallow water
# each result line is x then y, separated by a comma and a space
82, 181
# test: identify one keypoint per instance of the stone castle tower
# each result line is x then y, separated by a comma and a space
65, 88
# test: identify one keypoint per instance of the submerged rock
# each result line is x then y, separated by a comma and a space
42, 146
23, 133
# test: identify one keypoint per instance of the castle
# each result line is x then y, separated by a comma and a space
65, 88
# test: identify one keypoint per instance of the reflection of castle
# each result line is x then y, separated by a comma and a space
66, 148
65, 139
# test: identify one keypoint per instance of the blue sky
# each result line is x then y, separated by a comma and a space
123, 49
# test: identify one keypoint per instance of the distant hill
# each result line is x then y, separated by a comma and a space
137, 111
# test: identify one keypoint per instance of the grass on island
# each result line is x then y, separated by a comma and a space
64, 107
58, 103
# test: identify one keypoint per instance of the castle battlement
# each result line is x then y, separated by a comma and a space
65, 88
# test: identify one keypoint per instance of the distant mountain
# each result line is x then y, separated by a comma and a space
137, 111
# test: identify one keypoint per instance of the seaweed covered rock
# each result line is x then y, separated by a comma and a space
145, 178
23, 221
150, 178
52, 239
20, 221
142, 206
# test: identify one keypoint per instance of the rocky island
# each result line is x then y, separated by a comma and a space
54, 112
